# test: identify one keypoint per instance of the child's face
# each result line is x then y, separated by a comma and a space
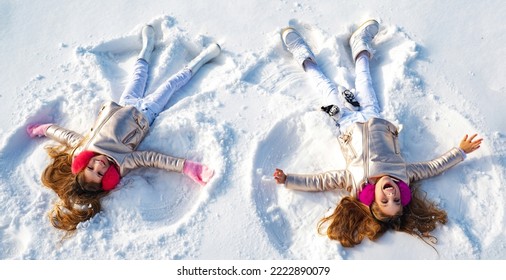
388, 196
96, 168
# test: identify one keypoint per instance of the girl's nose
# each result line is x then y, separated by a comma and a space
97, 165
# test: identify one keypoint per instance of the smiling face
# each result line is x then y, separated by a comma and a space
388, 196
96, 168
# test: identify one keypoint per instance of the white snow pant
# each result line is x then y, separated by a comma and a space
364, 92
154, 103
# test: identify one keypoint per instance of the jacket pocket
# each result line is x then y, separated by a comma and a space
141, 122
395, 138
131, 139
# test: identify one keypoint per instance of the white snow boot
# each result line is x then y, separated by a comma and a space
361, 39
205, 56
148, 43
297, 46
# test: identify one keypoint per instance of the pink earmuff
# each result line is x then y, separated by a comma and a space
405, 193
80, 161
366, 196
111, 178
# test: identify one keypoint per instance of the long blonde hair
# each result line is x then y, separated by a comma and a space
352, 221
76, 204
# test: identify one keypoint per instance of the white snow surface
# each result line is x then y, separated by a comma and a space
437, 71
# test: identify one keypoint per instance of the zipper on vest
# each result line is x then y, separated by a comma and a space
365, 148
395, 135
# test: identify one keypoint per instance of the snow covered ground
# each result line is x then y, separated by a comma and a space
437, 71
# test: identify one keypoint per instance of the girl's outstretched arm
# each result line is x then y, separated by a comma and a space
64, 136
55, 132
198, 172
424, 170
139, 159
330, 180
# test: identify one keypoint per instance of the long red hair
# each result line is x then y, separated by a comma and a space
352, 221
75, 204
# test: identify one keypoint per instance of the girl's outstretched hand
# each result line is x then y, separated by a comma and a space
37, 130
468, 144
279, 176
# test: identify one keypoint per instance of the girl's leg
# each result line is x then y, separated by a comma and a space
154, 103
137, 85
360, 43
323, 84
363, 85
332, 102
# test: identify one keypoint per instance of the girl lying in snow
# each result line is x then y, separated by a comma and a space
85, 168
377, 177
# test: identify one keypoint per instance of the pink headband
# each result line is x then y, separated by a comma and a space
111, 176
366, 196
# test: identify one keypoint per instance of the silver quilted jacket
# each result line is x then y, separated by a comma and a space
371, 150
117, 133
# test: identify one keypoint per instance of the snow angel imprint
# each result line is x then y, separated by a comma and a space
379, 181
85, 168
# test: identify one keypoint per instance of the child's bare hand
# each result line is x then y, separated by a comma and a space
468, 144
279, 176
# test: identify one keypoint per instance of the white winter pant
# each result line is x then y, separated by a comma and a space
154, 103
364, 92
